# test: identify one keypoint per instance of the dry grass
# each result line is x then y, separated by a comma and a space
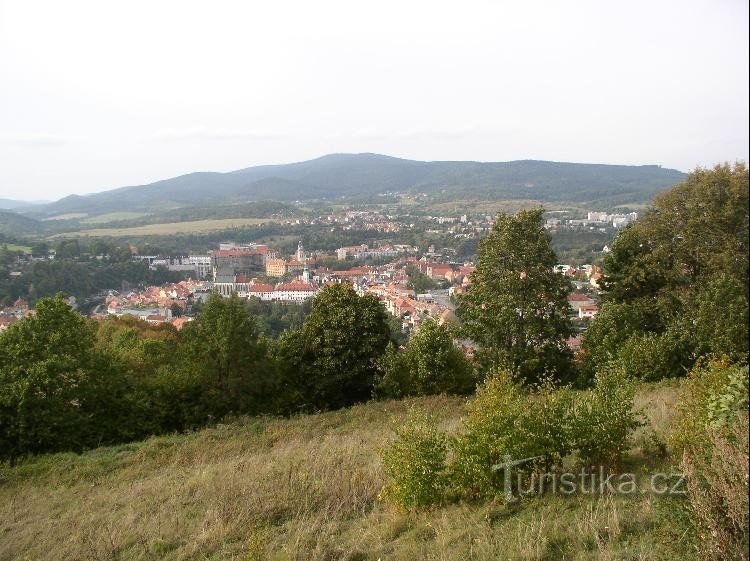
298, 489
190, 227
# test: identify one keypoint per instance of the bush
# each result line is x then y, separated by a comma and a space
604, 419
507, 422
711, 433
650, 357
430, 364
711, 395
717, 484
415, 462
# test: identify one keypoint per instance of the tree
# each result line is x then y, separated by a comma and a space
333, 359
675, 283
56, 392
224, 351
430, 364
516, 306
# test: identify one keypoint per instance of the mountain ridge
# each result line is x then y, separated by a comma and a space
342, 175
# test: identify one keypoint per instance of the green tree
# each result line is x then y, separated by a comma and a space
56, 392
224, 351
516, 306
675, 284
430, 364
332, 361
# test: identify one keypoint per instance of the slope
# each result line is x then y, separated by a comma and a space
352, 175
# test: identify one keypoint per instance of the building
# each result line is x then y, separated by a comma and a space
276, 267
343, 253
227, 283
239, 261
6, 322
587, 312
202, 264
261, 290
295, 291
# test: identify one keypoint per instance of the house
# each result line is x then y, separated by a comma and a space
276, 267
587, 312
261, 290
295, 291
6, 322
180, 322
577, 300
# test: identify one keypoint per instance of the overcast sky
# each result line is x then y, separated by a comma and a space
96, 95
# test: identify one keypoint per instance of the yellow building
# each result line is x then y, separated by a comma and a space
276, 267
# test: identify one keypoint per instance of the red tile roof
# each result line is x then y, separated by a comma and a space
296, 286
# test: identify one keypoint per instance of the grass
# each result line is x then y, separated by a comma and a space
68, 216
306, 488
16, 247
112, 216
190, 227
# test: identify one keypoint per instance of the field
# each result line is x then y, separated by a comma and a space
112, 216
191, 227
307, 488
16, 247
491, 207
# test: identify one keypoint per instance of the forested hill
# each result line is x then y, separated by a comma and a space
356, 175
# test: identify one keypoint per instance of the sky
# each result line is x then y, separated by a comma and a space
97, 95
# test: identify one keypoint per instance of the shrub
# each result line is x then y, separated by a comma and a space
415, 462
711, 433
711, 395
717, 483
507, 422
430, 364
604, 419
650, 357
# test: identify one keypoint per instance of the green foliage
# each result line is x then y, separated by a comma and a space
516, 307
676, 281
710, 398
332, 361
711, 438
507, 422
415, 463
604, 418
223, 350
276, 317
56, 392
430, 364
418, 281
650, 357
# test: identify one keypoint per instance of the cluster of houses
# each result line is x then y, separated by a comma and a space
11, 314
155, 304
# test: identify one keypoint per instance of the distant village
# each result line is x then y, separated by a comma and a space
253, 270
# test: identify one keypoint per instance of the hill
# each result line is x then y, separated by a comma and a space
306, 488
14, 224
12, 204
357, 175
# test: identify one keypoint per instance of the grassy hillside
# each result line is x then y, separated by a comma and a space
357, 175
307, 489
14, 224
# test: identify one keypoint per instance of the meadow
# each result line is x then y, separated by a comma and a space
189, 227
306, 488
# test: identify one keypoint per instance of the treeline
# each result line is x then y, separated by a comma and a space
70, 383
